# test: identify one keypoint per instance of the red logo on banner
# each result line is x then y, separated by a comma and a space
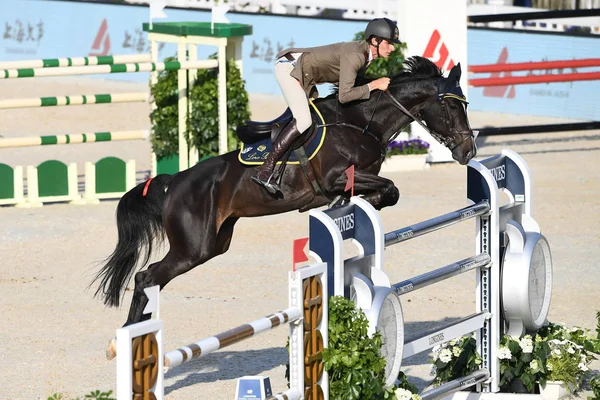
437, 51
102, 41
500, 91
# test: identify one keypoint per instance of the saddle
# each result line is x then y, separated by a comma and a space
254, 131
257, 138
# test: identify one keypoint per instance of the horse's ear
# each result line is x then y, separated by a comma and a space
453, 77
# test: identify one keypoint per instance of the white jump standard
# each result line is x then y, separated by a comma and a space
508, 243
141, 362
514, 280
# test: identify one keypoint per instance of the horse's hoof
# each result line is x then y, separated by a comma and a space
338, 201
111, 350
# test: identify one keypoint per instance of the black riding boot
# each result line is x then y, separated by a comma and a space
264, 173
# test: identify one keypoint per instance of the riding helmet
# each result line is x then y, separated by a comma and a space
383, 28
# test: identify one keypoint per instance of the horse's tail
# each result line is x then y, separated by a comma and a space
139, 223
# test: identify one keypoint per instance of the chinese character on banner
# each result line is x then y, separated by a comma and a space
20, 33
255, 47
160, 47
23, 31
7, 31
30, 28
137, 42
127, 41
268, 51
280, 46
140, 42
264, 53
40, 27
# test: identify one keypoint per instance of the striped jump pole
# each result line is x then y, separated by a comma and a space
76, 138
290, 394
76, 100
107, 69
77, 61
141, 362
211, 344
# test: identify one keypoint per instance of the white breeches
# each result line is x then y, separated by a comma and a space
293, 94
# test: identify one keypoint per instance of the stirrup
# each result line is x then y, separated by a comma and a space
272, 188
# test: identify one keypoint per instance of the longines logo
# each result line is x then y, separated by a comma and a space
345, 223
499, 173
404, 289
468, 265
406, 235
470, 382
436, 338
467, 214
247, 149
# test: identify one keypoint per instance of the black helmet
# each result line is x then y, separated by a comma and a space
383, 28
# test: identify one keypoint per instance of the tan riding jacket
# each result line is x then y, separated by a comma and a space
335, 63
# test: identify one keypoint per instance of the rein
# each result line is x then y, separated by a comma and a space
446, 141
362, 130
465, 134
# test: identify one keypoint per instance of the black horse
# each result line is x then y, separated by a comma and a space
198, 208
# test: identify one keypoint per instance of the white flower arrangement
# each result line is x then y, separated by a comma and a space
455, 358
526, 344
554, 353
504, 353
567, 361
446, 355
405, 394
534, 365
456, 351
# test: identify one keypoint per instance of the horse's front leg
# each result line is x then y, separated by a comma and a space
378, 191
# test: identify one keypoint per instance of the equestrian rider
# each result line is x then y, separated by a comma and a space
298, 70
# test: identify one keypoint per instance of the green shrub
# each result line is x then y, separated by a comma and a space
203, 121
353, 359
95, 395
380, 67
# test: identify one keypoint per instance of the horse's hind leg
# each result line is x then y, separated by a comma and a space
160, 274
225, 235
173, 265
192, 241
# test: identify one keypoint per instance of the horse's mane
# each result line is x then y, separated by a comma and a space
413, 68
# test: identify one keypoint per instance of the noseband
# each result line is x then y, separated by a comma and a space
445, 140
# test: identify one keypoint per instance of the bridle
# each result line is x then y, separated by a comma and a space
445, 140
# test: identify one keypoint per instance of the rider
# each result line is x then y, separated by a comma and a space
298, 70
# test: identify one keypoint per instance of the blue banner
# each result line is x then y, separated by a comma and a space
34, 29
577, 99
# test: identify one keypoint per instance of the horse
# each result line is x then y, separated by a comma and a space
197, 208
